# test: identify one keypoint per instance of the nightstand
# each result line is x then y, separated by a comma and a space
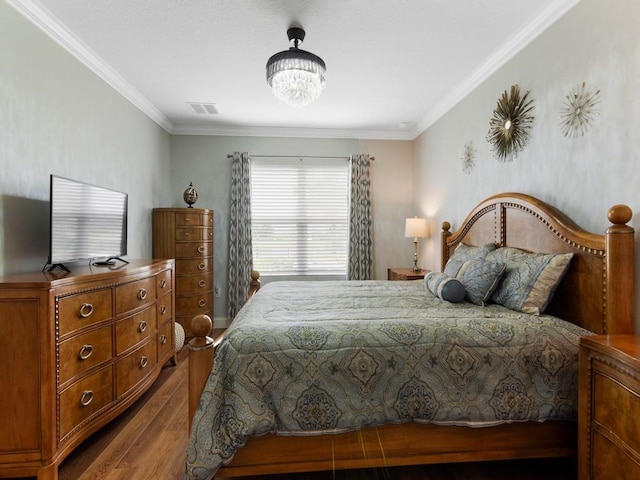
405, 274
609, 407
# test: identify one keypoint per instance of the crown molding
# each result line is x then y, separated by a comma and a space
45, 21
501, 56
255, 131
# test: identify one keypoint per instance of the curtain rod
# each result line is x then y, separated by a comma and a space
298, 156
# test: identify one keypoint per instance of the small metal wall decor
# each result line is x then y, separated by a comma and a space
510, 125
579, 110
468, 157
190, 195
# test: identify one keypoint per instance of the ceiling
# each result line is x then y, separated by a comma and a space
393, 67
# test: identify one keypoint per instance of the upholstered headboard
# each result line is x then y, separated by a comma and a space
597, 290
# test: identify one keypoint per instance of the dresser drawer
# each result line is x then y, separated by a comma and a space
135, 294
194, 249
207, 219
163, 282
193, 284
193, 234
165, 338
83, 399
614, 407
195, 266
164, 309
189, 218
609, 458
135, 366
80, 353
83, 309
194, 304
134, 329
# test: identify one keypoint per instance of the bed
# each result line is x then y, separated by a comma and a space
318, 432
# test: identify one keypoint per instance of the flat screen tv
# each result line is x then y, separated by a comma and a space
87, 222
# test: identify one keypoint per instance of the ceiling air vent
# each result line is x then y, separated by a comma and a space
204, 108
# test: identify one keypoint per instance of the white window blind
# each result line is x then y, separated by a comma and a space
299, 215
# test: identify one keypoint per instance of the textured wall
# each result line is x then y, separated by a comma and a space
596, 42
56, 116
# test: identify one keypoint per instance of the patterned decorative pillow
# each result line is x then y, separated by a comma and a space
530, 279
444, 287
480, 278
462, 253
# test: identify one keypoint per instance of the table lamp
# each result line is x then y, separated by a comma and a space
416, 228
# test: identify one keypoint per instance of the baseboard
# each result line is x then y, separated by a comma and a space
221, 322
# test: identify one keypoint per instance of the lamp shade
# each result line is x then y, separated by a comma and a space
415, 227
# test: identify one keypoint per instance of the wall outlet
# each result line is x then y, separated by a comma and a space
216, 291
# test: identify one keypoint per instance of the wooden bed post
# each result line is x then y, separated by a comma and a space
446, 233
619, 271
201, 349
254, 286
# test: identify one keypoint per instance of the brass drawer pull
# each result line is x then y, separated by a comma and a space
86, 398
202, 283
163, 283
163, 339
142, 326
143, 361
142, 294
86, 310
201, 249
202, 303
202, 266
85, 351
163, 309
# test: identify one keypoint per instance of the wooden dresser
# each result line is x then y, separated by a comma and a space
609, 407
186, 234
76, 349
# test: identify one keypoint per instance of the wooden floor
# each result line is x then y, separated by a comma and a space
148, 443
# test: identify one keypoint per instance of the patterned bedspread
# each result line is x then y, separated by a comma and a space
303, 358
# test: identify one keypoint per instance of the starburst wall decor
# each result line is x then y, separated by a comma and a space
579, 110
509, 127
468, 157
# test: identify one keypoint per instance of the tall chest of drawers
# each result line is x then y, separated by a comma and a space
186, 234
76, 350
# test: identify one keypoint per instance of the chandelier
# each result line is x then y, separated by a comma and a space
295, 76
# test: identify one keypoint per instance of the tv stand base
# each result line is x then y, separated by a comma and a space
108, 262
57, 265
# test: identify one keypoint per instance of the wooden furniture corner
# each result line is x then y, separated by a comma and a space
405, 274
609, 407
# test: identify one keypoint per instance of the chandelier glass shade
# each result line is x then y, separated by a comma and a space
296, 76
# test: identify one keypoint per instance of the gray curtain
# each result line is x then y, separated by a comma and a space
360, 238
240, 253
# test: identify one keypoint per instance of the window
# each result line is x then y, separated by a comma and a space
299, 216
